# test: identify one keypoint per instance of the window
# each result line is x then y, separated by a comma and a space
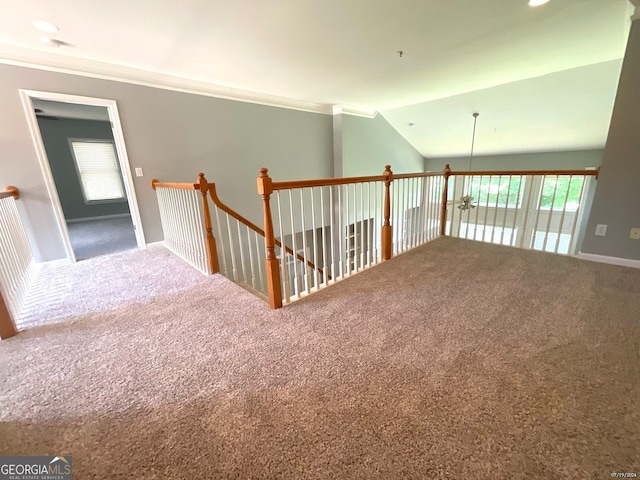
97, 166
501, 191
563, 191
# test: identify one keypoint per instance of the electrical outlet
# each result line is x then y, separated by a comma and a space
601, 230
635, 234
138, 172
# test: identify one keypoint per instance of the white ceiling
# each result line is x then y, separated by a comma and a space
459, 56
567, 110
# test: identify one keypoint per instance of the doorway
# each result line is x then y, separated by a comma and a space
83, 158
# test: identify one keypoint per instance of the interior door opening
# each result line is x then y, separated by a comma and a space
83, 158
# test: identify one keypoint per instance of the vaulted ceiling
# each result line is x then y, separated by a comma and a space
542, 78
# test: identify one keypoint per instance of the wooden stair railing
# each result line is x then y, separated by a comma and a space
418, 203
7, 324
531, 209
411, 184
225, 208
204, 187
210, 243
266, 186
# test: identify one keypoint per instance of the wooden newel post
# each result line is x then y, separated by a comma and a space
7, 326
265, 188
445, 197
210, 241
16, 193
387, 229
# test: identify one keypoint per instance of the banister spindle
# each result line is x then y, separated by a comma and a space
386, 227
445, 196
265, 188
212, 251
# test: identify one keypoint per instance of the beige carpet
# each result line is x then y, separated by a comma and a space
456, 360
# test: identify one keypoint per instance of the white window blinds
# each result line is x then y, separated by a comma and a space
98, 170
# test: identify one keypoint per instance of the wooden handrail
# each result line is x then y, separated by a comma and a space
478, 173
400, 176
254, 227
183, 186
211, 188
325, 182
10, 191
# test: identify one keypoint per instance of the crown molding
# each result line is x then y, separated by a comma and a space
24, 57
354, 111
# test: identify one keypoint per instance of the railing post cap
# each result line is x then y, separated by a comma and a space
388, 174
202, 183
14, 191
264, 182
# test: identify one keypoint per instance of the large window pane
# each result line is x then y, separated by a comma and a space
565, 187
505, 191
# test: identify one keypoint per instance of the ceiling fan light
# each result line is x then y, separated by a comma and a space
45, 26
537, 3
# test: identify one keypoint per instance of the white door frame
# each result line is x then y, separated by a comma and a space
121, 151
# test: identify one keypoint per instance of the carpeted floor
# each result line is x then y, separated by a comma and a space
101, 237
455, 360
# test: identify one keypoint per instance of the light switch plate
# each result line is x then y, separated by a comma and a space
601, 230
138, 172
635, 234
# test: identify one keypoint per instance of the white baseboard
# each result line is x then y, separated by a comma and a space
625, 262
103, 217
155, 244
56, 263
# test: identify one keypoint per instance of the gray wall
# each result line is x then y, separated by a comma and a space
527, 161
172, 136
368, 144
618, 194
55, 136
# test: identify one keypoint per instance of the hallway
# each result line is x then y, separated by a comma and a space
101, 237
